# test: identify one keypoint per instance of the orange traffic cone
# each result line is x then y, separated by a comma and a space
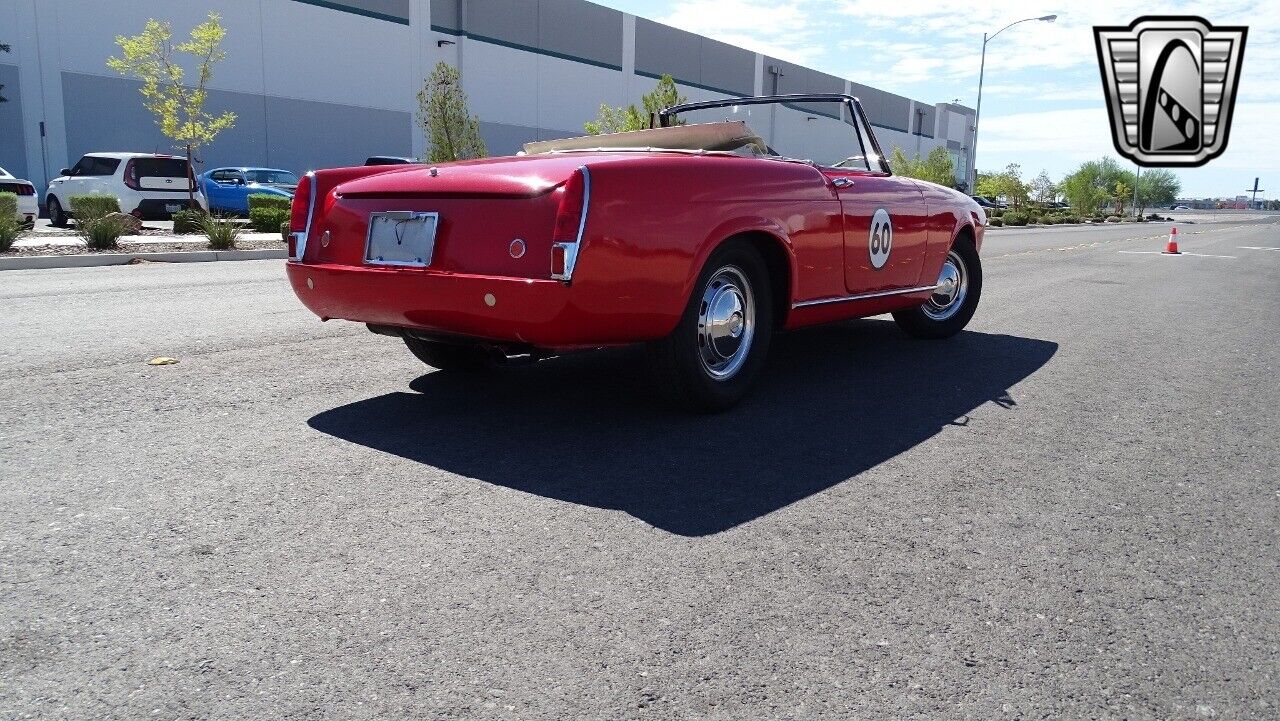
1171, 248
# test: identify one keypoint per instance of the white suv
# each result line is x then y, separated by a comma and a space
149, 186
28, 208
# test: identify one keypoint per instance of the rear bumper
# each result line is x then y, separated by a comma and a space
158, 209
499, 309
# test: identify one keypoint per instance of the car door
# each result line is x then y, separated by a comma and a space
225, 189
885, 229
74, 184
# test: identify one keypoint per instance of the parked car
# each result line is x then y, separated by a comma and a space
389, 160
698, 240
227, 190
148, 186
28, 203
1178, 207
985, 202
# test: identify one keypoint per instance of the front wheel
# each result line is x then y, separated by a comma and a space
719, 346
448, 356
954, 299
57, 218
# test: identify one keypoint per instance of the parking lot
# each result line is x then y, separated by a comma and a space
1068, 511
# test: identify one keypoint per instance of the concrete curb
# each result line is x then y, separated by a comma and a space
90, 260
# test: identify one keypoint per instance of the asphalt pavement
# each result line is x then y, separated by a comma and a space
1070, 510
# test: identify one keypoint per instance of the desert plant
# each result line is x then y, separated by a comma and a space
267, 220
1015, 217
284, 231
186, 222
9, 226
268, 200
221, 231
1113, 219
102, 233
995, 222
92, 206
1071, 219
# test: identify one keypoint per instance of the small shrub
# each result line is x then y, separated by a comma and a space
100, 233
268, 220
994, 212
268, 200
9, 226
1035, 219
221, 232
284, 231
186, 222
90, 207
1015, 217
995, 222
1113, 219
1071, 219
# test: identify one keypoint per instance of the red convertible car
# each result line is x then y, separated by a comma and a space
699, 237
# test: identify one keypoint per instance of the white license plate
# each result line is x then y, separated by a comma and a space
401, 237
172, 208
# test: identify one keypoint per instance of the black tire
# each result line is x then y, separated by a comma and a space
449, 356
57, 218
935, 319
684, 363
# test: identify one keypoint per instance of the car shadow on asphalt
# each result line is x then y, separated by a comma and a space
833, 402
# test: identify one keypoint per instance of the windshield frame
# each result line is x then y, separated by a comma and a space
861, 125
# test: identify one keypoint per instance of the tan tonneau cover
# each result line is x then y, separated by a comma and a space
727, 135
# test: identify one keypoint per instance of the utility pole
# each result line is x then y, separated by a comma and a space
1255, 190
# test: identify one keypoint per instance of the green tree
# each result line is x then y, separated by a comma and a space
1157, 186
1090, 185
1043, 189
936, 167
179, 109
1006, 183
1123, 191
453, 133
629, 117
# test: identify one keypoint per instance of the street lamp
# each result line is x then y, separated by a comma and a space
977, 113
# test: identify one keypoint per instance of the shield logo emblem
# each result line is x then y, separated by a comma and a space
1170, 85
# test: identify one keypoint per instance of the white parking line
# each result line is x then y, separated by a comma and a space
1255, 247
1174, 255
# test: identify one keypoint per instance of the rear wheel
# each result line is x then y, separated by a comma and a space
719, 346
954, 300
57, 217
449, 356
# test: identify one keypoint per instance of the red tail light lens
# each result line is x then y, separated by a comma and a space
131, 175
569, 216
300, 215
301, 208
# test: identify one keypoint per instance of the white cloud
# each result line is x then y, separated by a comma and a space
782, 31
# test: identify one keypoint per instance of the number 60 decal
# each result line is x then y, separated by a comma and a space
880, 238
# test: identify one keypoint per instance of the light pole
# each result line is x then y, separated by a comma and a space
977, 112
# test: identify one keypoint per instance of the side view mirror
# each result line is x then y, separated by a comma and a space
65, 171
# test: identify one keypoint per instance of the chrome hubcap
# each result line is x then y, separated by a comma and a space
953, 286
726, 323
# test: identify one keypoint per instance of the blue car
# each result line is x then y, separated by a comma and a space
228, 189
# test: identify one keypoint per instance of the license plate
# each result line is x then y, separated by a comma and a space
401, 237
172, 208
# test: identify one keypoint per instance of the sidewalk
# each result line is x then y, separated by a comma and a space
47, 247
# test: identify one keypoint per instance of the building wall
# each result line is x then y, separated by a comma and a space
319, 83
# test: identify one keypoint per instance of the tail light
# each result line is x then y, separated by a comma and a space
571, 221
131, 175
26, 189
304, 197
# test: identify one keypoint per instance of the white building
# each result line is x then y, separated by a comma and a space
322, 83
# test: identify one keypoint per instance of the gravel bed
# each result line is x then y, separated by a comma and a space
135, 248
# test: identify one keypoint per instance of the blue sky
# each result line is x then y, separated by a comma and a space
1042, 103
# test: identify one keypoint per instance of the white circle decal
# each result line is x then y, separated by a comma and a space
881, 238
